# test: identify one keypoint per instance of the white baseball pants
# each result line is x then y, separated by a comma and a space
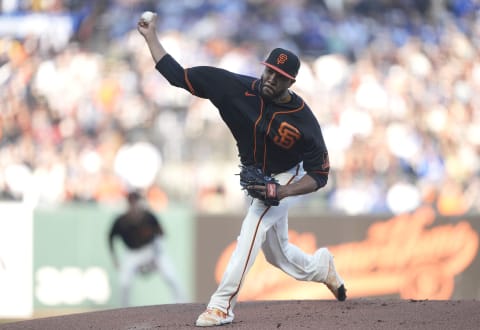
266, 228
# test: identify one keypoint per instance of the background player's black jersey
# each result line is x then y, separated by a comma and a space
136, 228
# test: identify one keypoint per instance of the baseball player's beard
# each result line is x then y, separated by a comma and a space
269, 96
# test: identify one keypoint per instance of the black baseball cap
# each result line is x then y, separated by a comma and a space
284, 62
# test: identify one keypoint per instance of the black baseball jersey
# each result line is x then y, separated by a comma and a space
272, 136
136, 228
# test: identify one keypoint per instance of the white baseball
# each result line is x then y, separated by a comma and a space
147, 16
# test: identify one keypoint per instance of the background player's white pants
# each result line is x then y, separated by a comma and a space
267, 228
152, 255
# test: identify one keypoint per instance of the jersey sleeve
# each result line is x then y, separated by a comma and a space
114, 231
154, 222
316, 161
202, 81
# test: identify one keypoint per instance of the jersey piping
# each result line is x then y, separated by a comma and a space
255, 131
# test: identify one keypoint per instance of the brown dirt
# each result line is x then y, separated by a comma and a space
352, 314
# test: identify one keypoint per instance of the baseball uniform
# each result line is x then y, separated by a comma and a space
286, 142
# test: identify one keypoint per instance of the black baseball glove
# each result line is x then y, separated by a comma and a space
252, 179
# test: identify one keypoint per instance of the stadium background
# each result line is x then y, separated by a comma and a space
84, 117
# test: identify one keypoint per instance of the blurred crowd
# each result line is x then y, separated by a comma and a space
394, 84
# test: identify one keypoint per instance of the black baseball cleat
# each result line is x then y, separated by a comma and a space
335, 283
341, 293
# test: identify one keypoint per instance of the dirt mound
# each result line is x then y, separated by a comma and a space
306, 314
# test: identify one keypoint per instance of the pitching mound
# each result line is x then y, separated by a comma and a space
311, 314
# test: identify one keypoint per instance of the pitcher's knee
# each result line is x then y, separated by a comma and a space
322, 261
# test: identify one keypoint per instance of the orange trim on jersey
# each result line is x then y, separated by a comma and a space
187, 81
255, 131
270, 126
251, 246
253, 84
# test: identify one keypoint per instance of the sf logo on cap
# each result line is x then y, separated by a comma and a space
282, 58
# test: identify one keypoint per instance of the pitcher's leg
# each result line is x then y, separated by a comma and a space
249, 242
302, 266
290, 258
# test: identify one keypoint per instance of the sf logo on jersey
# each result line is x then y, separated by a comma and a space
287, 135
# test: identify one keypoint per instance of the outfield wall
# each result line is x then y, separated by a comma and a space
70, 269
58, 260
415, 256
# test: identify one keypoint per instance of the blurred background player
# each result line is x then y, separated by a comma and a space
143, 236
